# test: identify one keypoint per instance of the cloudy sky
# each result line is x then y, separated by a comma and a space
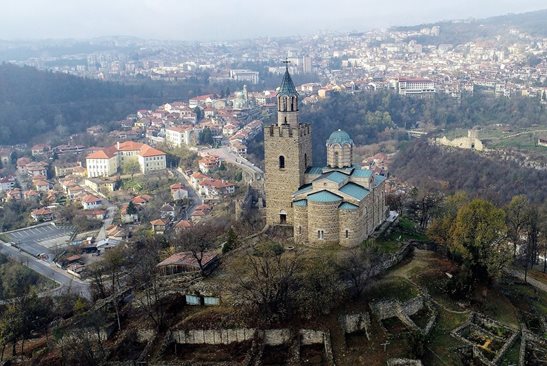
230, 19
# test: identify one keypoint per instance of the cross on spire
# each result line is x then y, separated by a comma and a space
286, 62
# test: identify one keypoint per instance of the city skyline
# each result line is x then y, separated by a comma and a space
223, 20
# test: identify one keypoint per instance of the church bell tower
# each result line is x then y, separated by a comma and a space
287, 154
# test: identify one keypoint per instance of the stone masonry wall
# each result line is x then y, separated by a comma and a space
295, 146
323, 216
354, 222
300, 224
213, 336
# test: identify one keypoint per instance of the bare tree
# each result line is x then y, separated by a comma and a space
531, 246
113, 266
145, 277
356, 268
516, 217
199, 239
266, 285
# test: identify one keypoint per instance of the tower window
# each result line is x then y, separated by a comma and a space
305, 160
281, 162
320, 234
347, 233
299, 229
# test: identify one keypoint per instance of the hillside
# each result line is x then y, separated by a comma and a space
463, 170
457, 32
34, 102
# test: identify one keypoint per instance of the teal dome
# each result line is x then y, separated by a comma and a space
339, 137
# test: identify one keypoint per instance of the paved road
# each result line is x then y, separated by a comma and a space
532, 281
67, 282
226, 154
192, 194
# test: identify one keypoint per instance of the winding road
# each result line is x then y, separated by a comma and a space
66, 282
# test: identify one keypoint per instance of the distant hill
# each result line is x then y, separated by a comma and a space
461, 31
34, 102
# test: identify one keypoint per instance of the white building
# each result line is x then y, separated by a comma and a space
244, 75
407, 86
177, 136
108, 161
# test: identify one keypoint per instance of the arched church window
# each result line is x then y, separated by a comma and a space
281, 162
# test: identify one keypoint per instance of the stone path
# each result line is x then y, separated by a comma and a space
530, 280
421, 259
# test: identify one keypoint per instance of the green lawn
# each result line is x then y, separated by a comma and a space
442, 345
392, 289
391, 242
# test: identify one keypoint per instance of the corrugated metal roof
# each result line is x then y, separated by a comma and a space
348, 206
300, 203
304, 189
337, 177
355, 191
378, 179
315, 170
362, 173
324, 196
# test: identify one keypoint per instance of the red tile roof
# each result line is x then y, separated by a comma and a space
187, 259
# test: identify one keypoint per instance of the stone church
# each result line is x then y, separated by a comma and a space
337, 204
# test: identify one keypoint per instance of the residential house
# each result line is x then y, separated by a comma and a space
42, 214
97, 214
41, 185
209, 163
101, 184
7, 183
22, 163
116, 232
159, 226
167, 211
178, 192
36, 168
215, 188
183, 225
128, 218
185, 262
40, 149
64, 169
177, 136
141, 200
14, 194
196, 178
31, 195
200, 212
91, 202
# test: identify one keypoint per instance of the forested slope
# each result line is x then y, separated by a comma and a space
449, 169
34, 102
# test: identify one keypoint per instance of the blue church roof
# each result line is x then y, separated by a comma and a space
287, 86
336, 177
355, 190
339, 137
362, 173
300, 203
324, 196
348, 206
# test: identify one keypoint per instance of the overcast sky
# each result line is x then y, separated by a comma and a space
231, 19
